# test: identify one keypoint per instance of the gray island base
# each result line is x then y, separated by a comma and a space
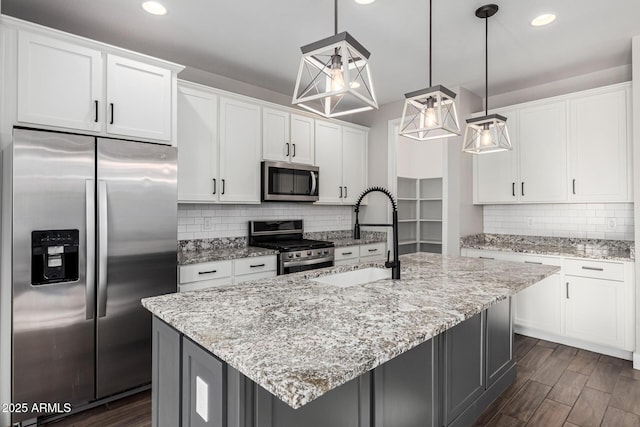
431, 349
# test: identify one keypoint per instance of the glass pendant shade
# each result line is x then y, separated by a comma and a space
430, 114
334, 77
487, 134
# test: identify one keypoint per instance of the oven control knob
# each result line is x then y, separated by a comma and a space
290, 255
309, 253
319, 252
325, 252
297, 254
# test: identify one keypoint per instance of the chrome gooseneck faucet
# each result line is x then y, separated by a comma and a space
395, 264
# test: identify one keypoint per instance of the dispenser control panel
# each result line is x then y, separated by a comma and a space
54, 256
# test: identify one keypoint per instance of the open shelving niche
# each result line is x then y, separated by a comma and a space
419, 215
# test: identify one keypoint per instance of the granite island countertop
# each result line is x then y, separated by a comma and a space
299, 339
221, 254
619, 250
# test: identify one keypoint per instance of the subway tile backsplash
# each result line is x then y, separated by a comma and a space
209, 221
613, 221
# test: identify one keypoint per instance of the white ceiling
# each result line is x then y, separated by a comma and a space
258, 41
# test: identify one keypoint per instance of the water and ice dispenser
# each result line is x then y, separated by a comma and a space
54, 256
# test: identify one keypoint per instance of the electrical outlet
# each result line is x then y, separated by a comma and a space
530, 222
612, 223
208, 224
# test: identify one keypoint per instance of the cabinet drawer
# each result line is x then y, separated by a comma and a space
205, 271
255, 265
537, 259
595, 269
347, 252
374, 249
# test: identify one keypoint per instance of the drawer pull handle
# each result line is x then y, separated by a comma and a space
486, 257
347, 253
207, 272
532, 262
373, 250
584, 267
256, 265
567, 290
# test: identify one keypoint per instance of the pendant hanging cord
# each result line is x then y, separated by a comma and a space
335, 17
430, 41
486, 66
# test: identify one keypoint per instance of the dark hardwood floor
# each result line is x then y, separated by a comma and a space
132, 411
555, 385
563, 386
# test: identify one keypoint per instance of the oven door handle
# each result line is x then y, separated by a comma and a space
314, 183
308, 262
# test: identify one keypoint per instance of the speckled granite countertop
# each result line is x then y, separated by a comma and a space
345, 237
221, 254
299, 339
621, 250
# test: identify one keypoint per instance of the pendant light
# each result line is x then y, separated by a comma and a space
334, 77
486, 134
430, 113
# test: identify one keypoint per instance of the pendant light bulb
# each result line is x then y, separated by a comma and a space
486, 136
430, 117
337, 78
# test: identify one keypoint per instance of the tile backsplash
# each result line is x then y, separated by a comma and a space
208, 221
612, 221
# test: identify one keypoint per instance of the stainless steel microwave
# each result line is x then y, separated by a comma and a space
289, 182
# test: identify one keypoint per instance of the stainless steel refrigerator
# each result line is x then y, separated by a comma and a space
94, 231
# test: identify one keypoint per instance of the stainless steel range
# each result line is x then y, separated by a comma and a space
296, 253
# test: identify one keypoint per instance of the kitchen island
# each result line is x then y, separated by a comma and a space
433, 348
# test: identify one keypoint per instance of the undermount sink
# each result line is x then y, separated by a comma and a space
355, 277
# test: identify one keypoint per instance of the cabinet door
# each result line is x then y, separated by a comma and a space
303, 139
594, 310
240, 134
59, 84
599, 148
464, 366
496, 174
499, 341
165, 377
354, 161
138, 99
276, 144
542, 139
538, 306
198, 154
329, 160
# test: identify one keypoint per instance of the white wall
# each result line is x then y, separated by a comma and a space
581, 220
231, 220
636, 182
417, 159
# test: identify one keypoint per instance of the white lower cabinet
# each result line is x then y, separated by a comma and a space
588, 304
209, 274
359, 253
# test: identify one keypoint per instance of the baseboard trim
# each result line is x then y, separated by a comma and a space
636, 360
597, 348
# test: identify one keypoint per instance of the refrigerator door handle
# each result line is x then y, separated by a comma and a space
90, 279
102, 248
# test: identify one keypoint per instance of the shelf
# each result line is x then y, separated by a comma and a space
408, 242
400, 221
408, 199
430, 199
430, 220
431, 242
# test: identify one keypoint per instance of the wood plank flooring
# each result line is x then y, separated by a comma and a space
555, 385
563, 386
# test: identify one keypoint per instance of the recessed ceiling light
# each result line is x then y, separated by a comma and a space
364, 1
544, 19
154, 8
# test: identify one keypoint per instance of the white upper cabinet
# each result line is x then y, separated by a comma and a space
240, 138
66, 82
341, 155
542, 139
598, 148
198, 154
497, 173
303, 139
571, 148
329, 160
354, 159
287, 137
59, 83
138, 99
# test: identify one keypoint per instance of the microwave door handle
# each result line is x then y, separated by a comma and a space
313, 183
